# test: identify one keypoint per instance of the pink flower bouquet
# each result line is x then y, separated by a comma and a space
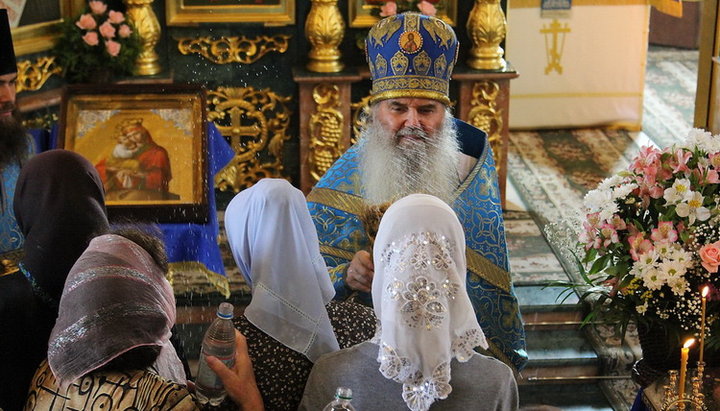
651, 240
385, 8
98, 38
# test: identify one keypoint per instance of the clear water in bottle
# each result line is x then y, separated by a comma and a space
219, 341
343, 396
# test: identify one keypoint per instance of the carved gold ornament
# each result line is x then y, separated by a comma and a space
361, 111
256, 123
41, 121
485, 115
325, 130
33, 75
146, 23
235, 49
324, 29
486, 28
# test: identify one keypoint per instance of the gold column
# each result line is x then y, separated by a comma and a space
146, 23
324, 29
486, 27
325, 130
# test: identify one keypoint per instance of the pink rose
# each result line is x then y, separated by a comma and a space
426, 8
710, 256
112, 47
388, 9
97, 7
86, 22
124, 31
116, 17
91, 38
107, 30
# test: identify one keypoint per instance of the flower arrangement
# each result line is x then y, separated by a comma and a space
393, 7
385, 8
98, 39
651, 240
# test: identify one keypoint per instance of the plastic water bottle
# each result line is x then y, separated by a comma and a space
219, 341
343, 396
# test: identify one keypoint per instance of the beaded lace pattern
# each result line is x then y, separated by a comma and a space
422, 302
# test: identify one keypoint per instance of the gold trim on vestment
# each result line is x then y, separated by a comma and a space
9, 271
487, 270
348, 203
9, 261
220, 282
497, 353
432, 95
337, 252
353, 204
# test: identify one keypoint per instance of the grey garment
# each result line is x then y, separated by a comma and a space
482, 383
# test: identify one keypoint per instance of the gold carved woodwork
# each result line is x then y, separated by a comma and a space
324, 29
147, 25
32, 75
235, 49
325, 129
486, 28
360, 110
42, 121
256, 124
485, 115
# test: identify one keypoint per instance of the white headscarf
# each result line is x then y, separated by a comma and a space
419, 295
276, 247
115, 298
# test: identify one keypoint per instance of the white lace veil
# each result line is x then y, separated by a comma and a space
419, 295
276, 248
115, 298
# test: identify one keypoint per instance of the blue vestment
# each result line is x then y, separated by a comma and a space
10, 236
336, 202
11, 239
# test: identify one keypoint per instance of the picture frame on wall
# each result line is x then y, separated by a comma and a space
361, 15
192, 12
36, 24
148, 144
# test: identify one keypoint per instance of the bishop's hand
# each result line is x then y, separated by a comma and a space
360, 272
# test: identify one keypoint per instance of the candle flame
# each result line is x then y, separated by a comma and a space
705, 291
689, 342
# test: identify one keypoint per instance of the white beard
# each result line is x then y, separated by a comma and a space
120, 151
390, 171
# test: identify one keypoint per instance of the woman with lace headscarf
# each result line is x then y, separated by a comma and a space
291, 320
422, 356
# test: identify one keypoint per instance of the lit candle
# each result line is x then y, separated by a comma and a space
683, 365
705, 292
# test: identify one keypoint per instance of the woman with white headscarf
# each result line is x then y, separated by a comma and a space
291, 320
422, 355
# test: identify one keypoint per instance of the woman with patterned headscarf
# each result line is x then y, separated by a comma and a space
422, 356
291, 320
110, 348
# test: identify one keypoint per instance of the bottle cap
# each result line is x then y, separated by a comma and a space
343, 393
225, 310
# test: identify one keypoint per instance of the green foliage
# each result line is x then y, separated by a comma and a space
82, 60
650, 242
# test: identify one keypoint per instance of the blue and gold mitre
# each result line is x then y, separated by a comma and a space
411, 55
